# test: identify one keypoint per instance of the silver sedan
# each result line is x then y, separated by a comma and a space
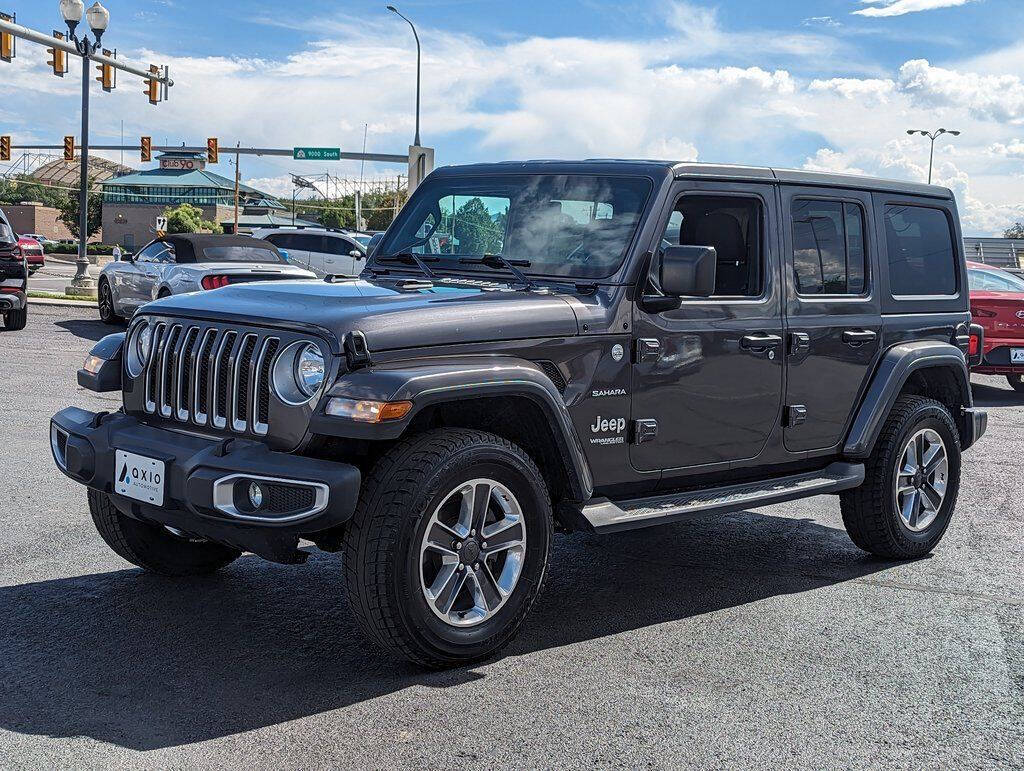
188, 263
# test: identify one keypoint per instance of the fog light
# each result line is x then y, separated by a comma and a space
255, 495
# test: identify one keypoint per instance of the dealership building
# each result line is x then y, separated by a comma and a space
132, 203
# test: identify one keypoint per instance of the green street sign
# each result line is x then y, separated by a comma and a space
317, 153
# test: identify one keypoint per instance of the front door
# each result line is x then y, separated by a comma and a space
710, 373
834, 315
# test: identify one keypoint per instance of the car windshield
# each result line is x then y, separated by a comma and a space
364, 240
994, 280
240, 254
6, 234
556, 225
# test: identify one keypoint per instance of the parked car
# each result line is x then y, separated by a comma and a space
523, 354
13, 279
323, 251
997, 304
32, 251
187, 263
41, 239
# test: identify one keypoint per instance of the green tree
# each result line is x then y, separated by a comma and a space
476, 230
186, 218
1017, 231
69, 211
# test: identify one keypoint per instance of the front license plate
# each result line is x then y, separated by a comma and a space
139, 477
1017, 355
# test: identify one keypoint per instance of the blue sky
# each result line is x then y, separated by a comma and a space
831, 84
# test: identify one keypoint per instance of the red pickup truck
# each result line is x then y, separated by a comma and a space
997, 303
32, 251
13, 278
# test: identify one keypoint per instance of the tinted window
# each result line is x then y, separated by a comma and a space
281, 240
152, 252
335, 245
306, 242
240, 254
921, 256
994, 281
828, 247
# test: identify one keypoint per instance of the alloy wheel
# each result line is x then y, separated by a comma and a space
921, 476
472, 552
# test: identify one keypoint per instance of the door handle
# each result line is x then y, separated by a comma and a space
760, 343
857, 337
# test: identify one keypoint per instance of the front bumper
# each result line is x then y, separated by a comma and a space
202, 478
12, 301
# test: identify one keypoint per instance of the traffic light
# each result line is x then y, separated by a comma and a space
69, 148
106, 73
59, 57
147, 149
6, 40
212, 150
152, 89
5, 148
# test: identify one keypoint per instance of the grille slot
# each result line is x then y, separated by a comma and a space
209, 376
554, 374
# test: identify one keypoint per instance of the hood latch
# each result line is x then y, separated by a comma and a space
357, 353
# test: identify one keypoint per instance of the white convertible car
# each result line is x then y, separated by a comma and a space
188, 263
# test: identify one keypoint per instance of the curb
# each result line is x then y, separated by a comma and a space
66, 303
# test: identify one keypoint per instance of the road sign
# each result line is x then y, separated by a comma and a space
316, 154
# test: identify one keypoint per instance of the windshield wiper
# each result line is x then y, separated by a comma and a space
498, 262
410, 258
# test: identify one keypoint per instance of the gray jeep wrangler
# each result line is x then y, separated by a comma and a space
596, 346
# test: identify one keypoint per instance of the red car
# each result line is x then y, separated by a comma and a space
997, 303
32, 251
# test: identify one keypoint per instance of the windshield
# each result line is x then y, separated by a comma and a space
555, 225
364, 240
6, 234
994, 280
240, 254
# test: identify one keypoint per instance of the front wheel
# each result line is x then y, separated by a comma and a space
910, 489
1016, 382
105, 303
16, 320
448, 547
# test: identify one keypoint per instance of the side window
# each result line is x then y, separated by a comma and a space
922, 260
307, 242
277, 239
335, 245
149, 253
733, 226
828, 247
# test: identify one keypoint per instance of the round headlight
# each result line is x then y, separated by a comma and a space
309, 370
138, 349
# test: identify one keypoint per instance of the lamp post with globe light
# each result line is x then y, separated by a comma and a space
97, 17
932, 135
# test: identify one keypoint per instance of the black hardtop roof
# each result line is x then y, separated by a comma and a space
188, 245
694, 170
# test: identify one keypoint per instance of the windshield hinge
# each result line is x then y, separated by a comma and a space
357, 353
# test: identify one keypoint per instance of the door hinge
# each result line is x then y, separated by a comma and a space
647, 349
645, 430
796, 414
799, 342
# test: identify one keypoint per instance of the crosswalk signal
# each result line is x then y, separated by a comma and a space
152, 89
7, 39
69, 148
147, 149
5, 148
58, 57
106, 73
212, 150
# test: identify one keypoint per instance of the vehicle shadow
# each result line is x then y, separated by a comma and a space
89, 329
146, 662
991, 396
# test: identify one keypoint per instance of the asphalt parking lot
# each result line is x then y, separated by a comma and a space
756, 639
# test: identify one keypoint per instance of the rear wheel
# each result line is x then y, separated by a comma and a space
153, 547
106, 304
913, 477
16, 320
1016, 382
448, 547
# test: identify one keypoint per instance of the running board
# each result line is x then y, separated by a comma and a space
607, 516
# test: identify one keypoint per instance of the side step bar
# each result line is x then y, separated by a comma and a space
607, 516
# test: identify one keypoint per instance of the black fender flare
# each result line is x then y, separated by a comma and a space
895, 368
427, 382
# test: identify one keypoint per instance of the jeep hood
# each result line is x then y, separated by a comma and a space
389, 315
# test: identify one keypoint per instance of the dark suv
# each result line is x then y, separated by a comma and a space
13, 278
597, 346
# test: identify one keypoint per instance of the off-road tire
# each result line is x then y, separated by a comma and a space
154, 548
381, 544
105, 303
1016, 382
15, 321
869, 511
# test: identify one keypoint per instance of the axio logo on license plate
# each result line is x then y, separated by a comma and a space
139, 477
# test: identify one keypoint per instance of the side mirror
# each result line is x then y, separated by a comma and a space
355, 254
688, 271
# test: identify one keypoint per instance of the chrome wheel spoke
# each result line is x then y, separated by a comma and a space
481, 504
511, 533
485, 588
449, 583
441, 538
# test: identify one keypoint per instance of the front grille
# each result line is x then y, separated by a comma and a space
210, 377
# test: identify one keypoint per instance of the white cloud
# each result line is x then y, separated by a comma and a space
821, 21
901, 7
1015, 149
994, 97
871, 90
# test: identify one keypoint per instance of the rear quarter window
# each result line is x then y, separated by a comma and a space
922, 258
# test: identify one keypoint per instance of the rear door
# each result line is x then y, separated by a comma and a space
709, 374
288, 242
833, 312
338, 258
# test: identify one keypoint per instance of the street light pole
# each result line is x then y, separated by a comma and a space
395, 11
932, 135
